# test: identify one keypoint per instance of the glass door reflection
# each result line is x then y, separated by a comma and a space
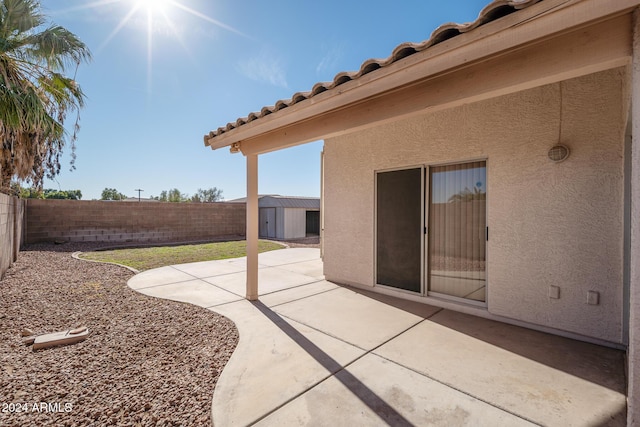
457, 231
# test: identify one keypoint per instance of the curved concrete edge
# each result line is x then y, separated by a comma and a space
193, 283
258, 328
76, 255
276, 361
285, 368
243, 342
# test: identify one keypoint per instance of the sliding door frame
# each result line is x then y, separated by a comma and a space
423, 190
425, 267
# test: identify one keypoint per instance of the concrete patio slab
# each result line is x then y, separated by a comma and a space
272, 279
299, 292
275, 361
547, 379
204, 268
350, 316
158, 276
315, 353
377, 392
287, 257
242, 263
196, 292
308, 268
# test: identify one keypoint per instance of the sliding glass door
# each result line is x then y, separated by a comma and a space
457, 230
431, 229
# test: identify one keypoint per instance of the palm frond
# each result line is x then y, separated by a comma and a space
35, 94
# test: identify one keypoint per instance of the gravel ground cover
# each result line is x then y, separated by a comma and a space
146, 362
305, 242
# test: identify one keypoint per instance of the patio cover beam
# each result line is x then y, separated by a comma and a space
252, 227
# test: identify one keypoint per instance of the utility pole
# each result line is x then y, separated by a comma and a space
139, 191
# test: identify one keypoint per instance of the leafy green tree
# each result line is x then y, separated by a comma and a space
35, 93
112, 194
175, 196
62, 194
26, 192
162, 197
207, 196
202, 196
49, 193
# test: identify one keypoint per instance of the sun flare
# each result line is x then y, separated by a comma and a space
153, 6
158, 17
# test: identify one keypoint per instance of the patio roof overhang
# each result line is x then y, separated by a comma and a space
546, 42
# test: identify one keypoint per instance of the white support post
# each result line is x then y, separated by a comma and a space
633, 392
252, 227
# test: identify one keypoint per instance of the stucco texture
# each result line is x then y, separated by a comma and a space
550, 224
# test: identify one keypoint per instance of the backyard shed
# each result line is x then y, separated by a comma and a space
492, 169
285, 217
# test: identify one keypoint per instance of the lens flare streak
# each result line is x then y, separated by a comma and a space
153, 9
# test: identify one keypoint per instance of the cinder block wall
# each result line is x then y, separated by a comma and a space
11, 217
144, 222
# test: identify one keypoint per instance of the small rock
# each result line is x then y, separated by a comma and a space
26, 332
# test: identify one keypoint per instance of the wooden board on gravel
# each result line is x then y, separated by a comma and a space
70, 336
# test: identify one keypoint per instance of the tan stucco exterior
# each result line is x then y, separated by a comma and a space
633, 354
551, 224
504, 88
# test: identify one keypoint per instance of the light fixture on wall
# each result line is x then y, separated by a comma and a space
558, 153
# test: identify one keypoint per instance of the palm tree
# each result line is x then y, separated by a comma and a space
35, 94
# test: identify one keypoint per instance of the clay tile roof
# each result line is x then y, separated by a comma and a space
495, 10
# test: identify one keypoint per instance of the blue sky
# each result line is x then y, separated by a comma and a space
163, 77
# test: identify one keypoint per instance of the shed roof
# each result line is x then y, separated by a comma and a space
496, 9
277, 201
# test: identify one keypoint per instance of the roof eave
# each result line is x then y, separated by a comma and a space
483, 42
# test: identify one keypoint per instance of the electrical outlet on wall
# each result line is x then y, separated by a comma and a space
593, 297
554, 292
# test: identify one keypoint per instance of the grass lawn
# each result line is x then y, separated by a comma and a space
147, 258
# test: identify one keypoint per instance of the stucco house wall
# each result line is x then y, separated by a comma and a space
551, 224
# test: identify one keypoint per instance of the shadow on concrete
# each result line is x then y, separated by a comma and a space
357, 387
597, 364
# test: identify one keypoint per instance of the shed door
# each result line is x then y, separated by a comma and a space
313, 223
267, 223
